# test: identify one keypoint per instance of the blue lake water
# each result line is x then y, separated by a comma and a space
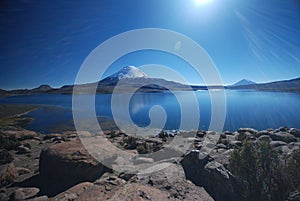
256, 109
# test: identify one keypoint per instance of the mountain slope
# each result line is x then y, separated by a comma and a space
243, 82
42, 88
131, 77
128, 78
128, 72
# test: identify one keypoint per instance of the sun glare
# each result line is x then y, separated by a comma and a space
201, 2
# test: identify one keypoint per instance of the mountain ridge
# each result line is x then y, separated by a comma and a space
131, 77
291, 85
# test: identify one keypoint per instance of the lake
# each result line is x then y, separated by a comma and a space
256, 109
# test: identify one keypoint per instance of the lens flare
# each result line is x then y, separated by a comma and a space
201, 2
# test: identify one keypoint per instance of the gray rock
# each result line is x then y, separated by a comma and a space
261, 133
25, 193
213, 176
294, 196
50, 136
221, 146
222, 136
283, 136
235, 144
241, 136
222, 156
264, 138
295, 132
294, 145
285, 150
23, 150
249, 130
141, 160
281, 129
230, 137
228, 133
278, 143
200, 134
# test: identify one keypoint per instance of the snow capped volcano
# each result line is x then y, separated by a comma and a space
129, 72
244, 82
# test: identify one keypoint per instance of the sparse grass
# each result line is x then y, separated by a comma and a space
10, 114
263, 173
12, 110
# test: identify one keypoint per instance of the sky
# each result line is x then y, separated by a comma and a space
46, 42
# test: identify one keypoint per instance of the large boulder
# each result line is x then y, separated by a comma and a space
69, 163
283, 136
295, 132
212, 175
172, 181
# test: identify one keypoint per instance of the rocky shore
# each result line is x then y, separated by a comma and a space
57, 167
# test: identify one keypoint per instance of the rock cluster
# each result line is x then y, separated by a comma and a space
58, 167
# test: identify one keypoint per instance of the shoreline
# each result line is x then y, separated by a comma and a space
39, 160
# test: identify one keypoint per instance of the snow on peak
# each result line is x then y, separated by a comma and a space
244, 82
129, 72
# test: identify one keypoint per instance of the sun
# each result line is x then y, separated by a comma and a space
201, 2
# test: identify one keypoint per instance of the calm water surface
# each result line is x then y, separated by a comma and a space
259, 110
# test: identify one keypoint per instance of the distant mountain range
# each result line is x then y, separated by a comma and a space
292, 85
132, 77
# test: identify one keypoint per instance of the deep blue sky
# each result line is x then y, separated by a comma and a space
45, 42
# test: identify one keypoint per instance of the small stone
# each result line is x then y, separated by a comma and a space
23, 150
126, 176
144, 195
22, 170
235, 144
50, 136
261, 133
249, 130
221, 146
222, 136
200, 134
27, 145
277, 143
37, 138
228, 133
25, 193
140, 160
